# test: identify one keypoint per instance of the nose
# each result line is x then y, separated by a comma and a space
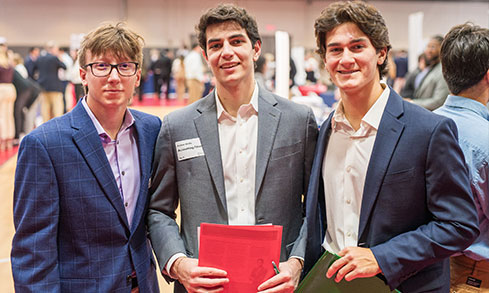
114, 75
347, 58
227, 50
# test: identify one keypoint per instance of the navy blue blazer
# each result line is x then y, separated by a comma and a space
417, 206
72, 233
48, 66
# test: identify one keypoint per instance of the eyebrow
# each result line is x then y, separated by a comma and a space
231, 37
359, 40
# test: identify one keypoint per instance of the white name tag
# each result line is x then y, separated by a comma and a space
189, 148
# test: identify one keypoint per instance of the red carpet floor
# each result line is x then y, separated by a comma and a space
152, 100
5, 155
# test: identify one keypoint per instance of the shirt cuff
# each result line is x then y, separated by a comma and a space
170, 263
300, 259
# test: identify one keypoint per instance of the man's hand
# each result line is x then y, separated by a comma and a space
355, 262
198, 279
286, 280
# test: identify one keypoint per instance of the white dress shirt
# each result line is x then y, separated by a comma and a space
344, 170
122, 154
238, 138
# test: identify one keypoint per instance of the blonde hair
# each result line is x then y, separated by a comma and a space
117, 39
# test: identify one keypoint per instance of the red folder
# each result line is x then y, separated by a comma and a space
244, 252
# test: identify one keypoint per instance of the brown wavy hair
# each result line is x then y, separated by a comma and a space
365, 16
117, 39
465, 56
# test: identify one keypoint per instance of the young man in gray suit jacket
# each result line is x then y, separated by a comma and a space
248, 161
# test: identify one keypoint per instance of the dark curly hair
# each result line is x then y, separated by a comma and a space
224, 13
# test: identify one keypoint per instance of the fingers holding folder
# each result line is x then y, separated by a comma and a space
198, 279
286, 280
355, 262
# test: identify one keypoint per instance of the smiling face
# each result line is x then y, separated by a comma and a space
351, 59
112, 91
230, 54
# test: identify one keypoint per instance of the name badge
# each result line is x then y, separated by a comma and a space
189, 148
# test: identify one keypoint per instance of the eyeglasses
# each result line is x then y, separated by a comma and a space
102, 69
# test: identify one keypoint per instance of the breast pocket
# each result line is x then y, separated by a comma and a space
399, 176
286, 151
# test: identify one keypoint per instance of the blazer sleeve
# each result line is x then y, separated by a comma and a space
36, 212
299, 248
453, 225
163, 192
439, 95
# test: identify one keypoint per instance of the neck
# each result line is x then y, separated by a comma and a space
479, 93
233, 96
357, 103
109, 118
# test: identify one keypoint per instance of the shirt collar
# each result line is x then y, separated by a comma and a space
472, 105
128, 121
221, 112
372, 117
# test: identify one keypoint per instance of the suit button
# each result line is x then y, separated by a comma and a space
129, 279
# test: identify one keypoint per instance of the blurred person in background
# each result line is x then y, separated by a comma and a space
30, 62
178, 73
413, 78
432, 90
52, 95
7, 98
194, 73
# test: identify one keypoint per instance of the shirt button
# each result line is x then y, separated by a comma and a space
348, 169
348, 234
123, 173
117, 142
348, 201
241, 180
126, 204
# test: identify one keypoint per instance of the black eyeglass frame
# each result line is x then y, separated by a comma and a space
112, 66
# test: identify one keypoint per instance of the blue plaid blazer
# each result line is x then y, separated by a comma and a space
72, 233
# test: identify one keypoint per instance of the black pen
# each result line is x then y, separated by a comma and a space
275, 268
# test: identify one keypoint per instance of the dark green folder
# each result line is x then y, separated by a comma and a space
316, 281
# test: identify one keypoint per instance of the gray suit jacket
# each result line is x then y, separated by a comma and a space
287, 135
433, 90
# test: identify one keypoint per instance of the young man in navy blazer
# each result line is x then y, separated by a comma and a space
81, 185
389, 190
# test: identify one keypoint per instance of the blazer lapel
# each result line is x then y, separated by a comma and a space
144, 166
388, 134
206, 125
268, 119
315, 198
86, 138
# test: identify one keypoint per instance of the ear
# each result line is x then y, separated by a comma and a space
204, 54
382, 55
257, 49
83, 76
138, 78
